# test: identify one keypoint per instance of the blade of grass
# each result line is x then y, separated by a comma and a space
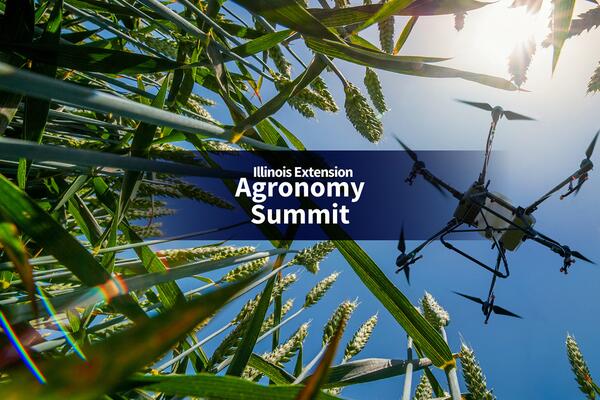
402, 64
39, 86
219, 387
389, 8
289, 13
124, 353
410, 24
337, 17
15, 149
92, 59
561, 23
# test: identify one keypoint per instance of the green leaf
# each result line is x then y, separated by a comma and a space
13, 247
86, 58
219, 387
289, 135
561, 23
112, 8
76, 37
275, 373
168, 292
13, 149
427, 338
113, 360
263, 43
407, 65
369, 370
388, 9
39, 86
336, 17
244, 350
289, 13
405, 33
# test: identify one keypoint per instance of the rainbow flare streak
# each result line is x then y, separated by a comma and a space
14, 339
53, 314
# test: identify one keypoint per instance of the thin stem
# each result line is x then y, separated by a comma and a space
451, 374
193, 348
409, 371
309, 366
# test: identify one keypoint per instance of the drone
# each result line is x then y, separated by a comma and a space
492, 215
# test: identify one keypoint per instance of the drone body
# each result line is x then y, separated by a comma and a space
492, 215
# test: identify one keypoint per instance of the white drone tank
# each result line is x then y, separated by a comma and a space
510, 236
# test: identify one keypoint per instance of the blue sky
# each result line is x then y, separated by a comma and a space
522, 358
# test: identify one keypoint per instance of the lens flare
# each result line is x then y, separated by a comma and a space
53, 315
14, 339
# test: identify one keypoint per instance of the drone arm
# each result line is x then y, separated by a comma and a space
549, 243
580, 172
437, 182
488, 152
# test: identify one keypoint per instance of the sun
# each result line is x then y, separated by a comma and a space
498, 29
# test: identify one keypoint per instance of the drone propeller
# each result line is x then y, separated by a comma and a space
510, 115
590, 149
410, 153
483, 106
415, 159
581, 177
406, 270
472, 298
503, 311
514, 116
402, 241
577, 254
496, 309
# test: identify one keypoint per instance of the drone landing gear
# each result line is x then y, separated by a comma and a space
498, 245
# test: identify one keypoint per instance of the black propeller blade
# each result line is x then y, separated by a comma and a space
410, 153
483, 106
590, 149
577, 254
496, 309
401, 241
406, 270
504, 311
514, 116
508, 114
472, 298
